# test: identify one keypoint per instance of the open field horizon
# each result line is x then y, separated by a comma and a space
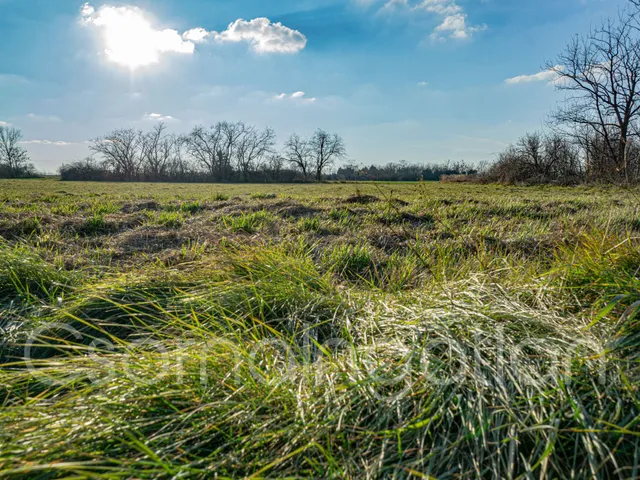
417, 330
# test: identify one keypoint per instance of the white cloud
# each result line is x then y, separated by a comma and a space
129, 38
4, 124
262, 36
453, 20
43, 118
441, 7
299, 97
49, 142
158, 117
422, 84
456, 27
548, 76
196, 35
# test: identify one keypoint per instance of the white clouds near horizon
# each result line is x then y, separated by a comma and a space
158, 117
295, 97
54, 143
548, 76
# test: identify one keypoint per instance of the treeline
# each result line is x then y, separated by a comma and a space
225, 152
402, 172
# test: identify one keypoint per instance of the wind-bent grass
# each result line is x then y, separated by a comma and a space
424, 332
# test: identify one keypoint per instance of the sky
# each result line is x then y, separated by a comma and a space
424, 81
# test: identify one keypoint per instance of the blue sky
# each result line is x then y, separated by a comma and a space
419, 80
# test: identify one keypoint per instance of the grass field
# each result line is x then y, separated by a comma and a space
318, 331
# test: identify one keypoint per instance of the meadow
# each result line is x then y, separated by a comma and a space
414, 330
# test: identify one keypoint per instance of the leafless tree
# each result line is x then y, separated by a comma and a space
600, 73
157, 151
121, 150
205, 146
179, 167
298, 152
251, 147
326, 148
214, 148
536, 158
13, 158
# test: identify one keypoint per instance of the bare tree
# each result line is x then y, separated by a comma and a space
326, 148
179, 166
121, 150
600, 72
214, 148
204, 146
13, 158
157, 151
298, 152
251, 147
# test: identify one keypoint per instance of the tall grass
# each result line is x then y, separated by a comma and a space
462, 332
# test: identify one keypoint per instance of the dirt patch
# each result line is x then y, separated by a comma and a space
292, 209
362, 199
388, 242
147, 241
138, 207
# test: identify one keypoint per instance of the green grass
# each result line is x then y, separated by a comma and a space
318, 331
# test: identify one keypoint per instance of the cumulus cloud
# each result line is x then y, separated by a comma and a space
4, 124
295, 97
441, 7
548, 76
158, 117
422, 84
453, 22
196, 35
261, 34
129, 38
456, 27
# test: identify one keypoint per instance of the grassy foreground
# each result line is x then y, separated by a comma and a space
319, 331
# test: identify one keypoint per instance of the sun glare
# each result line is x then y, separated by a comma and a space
129, 38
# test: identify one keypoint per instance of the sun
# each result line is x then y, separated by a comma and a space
130, 39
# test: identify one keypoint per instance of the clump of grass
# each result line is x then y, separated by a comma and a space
105, 208
220, 197
25, 276
264, 196
27, 226
191, 207
170, 219
95, 225
65, 209
351, 261
600, 268
247, 222
400, 272
309, 224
